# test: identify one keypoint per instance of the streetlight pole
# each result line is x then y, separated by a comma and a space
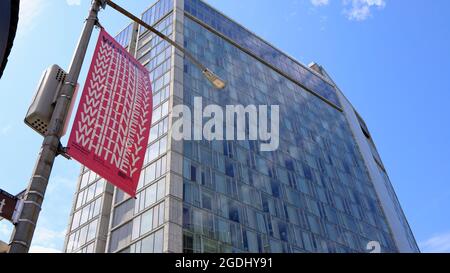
34, 196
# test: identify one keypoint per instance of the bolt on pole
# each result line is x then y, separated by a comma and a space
34, 196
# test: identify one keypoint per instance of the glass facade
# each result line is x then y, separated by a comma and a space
156, 12
124, 37
311, 195
261, 49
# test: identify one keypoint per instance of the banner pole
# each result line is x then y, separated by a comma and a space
34, 196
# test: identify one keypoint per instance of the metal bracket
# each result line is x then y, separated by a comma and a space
28, 221
20, 243
17, 211
98, 24
62, 151
103, 4
73, 84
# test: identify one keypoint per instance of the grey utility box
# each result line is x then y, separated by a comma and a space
43, 105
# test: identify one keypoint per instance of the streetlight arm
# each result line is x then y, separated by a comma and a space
213, 78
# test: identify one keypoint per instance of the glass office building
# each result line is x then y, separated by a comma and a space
325, 189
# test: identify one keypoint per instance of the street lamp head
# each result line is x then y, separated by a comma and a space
214, 79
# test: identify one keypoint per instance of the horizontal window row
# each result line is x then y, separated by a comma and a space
148, 175
155, 150
145, 38
87, 213
123, 212
145, 199
152, 172
156, 55
227, 231
156, 12
286, 185
158, 69
257, 204
124, 37
149, 220
285, 165
87, 249
150, 196
158, 130
93, 191
87, 178
161, 96
150, 40
160, 112
161, 82
82, 236
150, 244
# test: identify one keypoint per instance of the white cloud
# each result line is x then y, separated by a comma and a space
45, 235
4, 130
355, 10
439, 243
319, 3
323, 23
45, 238
360, 10
28, 12
73, 2
61, 185
5, 230
41, 249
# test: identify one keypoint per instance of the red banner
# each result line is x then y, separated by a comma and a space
112, 125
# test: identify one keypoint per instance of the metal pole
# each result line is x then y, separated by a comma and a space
34, 196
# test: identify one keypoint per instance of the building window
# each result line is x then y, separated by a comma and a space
123, 212
188, 243
206, 201
159, 240
234, 212
120, 237
193, 173
148, 243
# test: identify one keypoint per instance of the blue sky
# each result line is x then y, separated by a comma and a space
390, 58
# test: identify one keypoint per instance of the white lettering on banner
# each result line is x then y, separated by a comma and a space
113, 124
